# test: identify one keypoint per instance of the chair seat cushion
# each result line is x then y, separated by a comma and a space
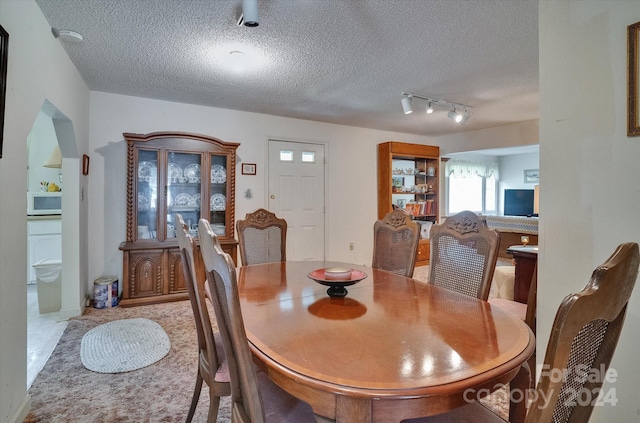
517, 309
279, 406
473, 412
503, 282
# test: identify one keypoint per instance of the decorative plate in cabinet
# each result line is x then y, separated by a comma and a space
218, 174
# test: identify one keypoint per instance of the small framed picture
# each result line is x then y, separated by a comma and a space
633, 80
532, 176
248, 168
85, 164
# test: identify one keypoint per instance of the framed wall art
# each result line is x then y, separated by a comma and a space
532, 176
4, 52
248, 168
633, 94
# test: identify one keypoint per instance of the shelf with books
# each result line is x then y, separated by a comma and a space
408, 178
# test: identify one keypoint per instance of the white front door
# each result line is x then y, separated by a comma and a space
296, 194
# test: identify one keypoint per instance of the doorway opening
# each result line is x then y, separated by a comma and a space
52, 236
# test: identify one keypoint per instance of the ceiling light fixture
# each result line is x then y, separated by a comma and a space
249, 15
432, 102
406, 104
238, 61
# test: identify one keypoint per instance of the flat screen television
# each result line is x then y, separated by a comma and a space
518, 202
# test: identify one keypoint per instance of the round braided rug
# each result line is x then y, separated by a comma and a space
123, 345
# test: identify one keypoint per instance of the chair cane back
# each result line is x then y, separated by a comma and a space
262, 238
395, 243
464, 252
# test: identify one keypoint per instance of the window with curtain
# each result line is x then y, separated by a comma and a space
471, 186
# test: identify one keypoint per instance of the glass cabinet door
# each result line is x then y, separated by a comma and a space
218, 200
147, 204
184, 188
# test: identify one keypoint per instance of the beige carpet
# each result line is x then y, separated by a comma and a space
65, 391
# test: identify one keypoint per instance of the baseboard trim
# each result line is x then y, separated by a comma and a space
22, 411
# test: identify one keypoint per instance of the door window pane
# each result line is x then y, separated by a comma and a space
286, 155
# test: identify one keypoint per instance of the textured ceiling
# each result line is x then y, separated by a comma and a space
338, 61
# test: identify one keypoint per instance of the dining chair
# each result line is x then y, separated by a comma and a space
464, 252
395, 243
213, 367
254, 397
583, 338
262, 237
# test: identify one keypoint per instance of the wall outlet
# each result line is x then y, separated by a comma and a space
351, 246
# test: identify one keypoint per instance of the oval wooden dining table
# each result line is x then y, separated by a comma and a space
393, 348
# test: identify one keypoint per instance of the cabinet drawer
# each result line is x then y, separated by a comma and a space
44, 227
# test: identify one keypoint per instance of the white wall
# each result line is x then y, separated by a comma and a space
518, 134
590, 196
512, 174
40, 143
512, 169
38, 69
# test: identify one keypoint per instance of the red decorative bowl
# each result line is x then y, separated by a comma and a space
337, 286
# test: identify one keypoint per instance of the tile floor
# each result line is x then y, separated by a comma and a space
43, 333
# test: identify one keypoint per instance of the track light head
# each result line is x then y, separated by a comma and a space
453, 114
429, 108
406, 104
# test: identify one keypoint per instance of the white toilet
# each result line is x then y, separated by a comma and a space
49, 280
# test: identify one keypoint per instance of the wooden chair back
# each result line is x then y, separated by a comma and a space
583, 339
262, 238
246, 401
212, 366
464, 252
254, 397
395, 243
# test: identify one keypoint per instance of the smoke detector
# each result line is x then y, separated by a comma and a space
67, 35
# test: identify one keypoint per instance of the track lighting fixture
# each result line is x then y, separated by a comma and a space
460, 113
406, 104
249, 15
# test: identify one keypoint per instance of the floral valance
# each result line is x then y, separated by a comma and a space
465, 169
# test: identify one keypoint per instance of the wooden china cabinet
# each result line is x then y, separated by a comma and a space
170, 173
408, 178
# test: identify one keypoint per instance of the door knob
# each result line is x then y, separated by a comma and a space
273, 197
